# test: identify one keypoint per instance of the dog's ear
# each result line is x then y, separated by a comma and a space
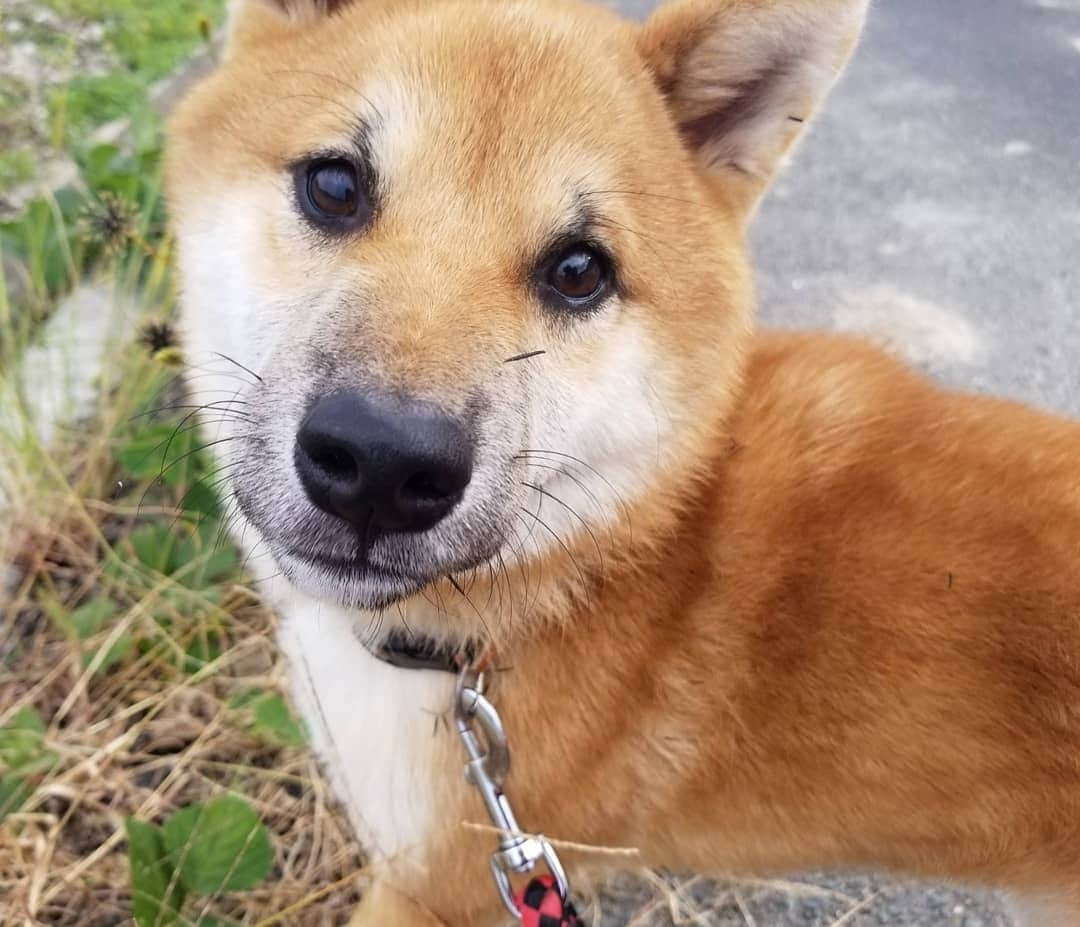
744, 77
252, 21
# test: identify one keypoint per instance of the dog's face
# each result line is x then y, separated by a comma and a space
483, 261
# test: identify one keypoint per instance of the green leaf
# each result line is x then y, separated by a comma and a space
98, 164
204, 556
270, 717
91, 99
140, 455
245, 699
90, 618
70, 200
153, 547
166, 450
219, 847
152, 903
203, 649
200, 499
37, 237
197, 558
22, 740
276, 723
220, 562
13, 793
26, 719
120, 650
22, 757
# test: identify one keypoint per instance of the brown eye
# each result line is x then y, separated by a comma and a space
578, 274
332, 190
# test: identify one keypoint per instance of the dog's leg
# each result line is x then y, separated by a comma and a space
448, 885
384, 906
1043, 911
426, 904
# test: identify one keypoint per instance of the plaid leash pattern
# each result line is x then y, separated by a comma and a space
541, 906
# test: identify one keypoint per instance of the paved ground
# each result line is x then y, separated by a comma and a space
936, 205
937, 199
805, 901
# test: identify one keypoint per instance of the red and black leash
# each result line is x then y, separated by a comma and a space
541, 905
544, 902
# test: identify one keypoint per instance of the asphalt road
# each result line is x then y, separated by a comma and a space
935, 206
937, 200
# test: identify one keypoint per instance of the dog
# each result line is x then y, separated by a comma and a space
747, 602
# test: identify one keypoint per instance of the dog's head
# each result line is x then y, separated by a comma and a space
479, 264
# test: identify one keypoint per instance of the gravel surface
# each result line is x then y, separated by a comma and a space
805, 901
934, 207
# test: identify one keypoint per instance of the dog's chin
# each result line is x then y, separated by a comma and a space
352, 584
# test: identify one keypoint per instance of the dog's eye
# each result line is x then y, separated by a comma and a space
331, 193
579, 273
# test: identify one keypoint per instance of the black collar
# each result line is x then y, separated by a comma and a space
406, 650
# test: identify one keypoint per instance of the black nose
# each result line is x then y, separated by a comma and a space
383, 463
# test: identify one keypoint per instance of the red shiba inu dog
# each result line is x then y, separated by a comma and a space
754, 602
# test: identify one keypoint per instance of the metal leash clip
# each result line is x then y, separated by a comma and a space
487, 769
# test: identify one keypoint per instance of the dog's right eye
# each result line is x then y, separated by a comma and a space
332, 195
579, 275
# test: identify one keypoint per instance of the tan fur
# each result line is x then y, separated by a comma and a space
836, 620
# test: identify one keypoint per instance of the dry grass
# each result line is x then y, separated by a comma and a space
153, 733
147, 741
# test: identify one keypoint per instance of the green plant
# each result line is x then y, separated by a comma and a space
136, 666
23, 758
149, 37
86, 102
269, 718
16, 166
88, 627
113, 225
209, 849
90, 62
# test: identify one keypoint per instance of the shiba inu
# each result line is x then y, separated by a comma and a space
753, 602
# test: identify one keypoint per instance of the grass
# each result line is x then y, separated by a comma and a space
68, 66
150, 765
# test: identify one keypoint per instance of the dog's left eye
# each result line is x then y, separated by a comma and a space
579, 274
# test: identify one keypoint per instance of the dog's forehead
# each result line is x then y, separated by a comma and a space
476, 93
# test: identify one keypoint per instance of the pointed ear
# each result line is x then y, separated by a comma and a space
744, 77
252, 21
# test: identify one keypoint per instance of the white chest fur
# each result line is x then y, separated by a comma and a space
373, 725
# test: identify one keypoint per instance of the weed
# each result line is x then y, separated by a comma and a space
151, 768
83, 63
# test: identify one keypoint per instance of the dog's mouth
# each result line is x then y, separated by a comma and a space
354, 581
360, 581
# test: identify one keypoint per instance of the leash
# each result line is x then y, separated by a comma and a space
545, 901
